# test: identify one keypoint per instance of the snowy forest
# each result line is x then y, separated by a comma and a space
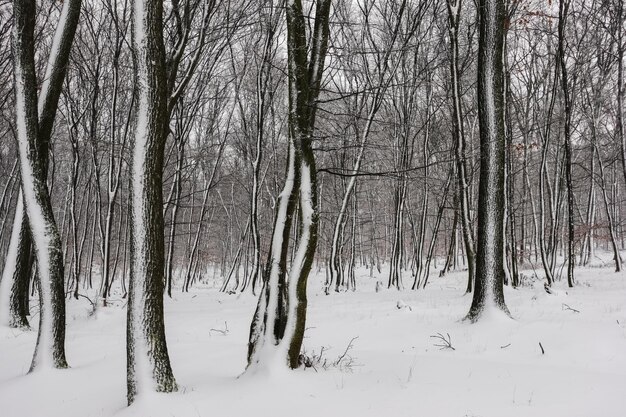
312, 208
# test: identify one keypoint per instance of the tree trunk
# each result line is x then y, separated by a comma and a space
148, 364
278, 296
488, 292
454, 12
571, 260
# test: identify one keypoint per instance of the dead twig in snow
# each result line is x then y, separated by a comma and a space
223, 332
445, 343
345, 352
542, 351
566, 307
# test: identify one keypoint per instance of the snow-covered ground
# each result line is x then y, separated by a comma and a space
393, 367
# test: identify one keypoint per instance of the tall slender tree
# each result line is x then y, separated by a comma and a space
567, 127
458, 132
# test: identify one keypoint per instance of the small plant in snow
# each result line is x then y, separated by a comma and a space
401, 305
443, 342
344, 362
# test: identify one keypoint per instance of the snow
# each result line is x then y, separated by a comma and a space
394, 368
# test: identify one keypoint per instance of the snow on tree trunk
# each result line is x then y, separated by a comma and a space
50, 349
277, 328
148, 365
267, 326
17, 261
16, 273
488, 292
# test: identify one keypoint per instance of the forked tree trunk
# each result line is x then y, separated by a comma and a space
34, 120
17, 267
277, 328
50, 348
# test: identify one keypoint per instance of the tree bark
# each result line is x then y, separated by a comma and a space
488, 292
148, 364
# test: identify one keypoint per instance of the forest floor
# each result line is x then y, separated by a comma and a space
391, 364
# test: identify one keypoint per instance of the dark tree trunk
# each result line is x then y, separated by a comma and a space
454, 17
571, 260
50, 348
279, 296
488, 292
148, 364
16, 272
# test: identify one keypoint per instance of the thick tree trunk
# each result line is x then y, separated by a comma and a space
488, 292
148, 365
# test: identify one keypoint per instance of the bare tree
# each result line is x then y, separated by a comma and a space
279, 320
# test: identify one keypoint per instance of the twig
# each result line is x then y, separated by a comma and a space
224, 332
446, 343
566, 307
542, 351
505, 346
340, 358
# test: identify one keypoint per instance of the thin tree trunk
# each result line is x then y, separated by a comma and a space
454, 14
571, 260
